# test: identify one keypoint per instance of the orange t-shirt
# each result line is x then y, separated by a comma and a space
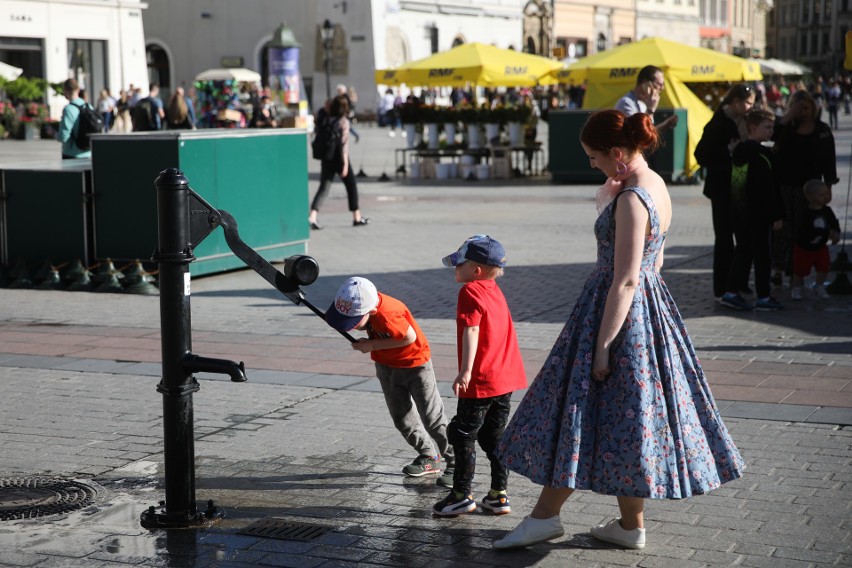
392, 320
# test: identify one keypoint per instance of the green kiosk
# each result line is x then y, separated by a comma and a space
569, 163
259, 176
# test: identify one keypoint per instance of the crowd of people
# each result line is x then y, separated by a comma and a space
770, 165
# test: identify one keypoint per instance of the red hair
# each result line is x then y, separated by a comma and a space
609, 129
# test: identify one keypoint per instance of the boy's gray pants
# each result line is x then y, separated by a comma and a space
416, 408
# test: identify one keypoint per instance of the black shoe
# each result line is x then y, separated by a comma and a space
361, 222
315, 226
736, 302
453, 505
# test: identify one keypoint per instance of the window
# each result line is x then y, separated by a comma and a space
601, 43
158, 69
87, 63
24, 53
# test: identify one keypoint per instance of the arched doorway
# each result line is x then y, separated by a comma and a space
159, 68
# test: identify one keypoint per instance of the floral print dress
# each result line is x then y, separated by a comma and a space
651, 429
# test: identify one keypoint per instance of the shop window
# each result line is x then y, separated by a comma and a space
24, 53
87, 63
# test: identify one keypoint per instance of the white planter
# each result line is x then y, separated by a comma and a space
474, 136
442, 170
414, 170
432, 135
516, 134
31, 131
450, 131
410, 134
492, 131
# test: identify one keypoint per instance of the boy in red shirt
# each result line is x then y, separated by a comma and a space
490, 369
404, 369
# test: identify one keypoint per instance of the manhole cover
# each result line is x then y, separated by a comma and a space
31, 497
277, 528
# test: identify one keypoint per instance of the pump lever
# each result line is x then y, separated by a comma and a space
253, 260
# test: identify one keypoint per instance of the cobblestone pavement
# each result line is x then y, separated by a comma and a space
308, 438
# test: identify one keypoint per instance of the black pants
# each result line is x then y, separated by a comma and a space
723, 244
327, 172
752, 247
478, 420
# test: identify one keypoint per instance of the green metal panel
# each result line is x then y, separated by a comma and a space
269, 202
124, 170
569, 163
45, 214
670, 158
260, 177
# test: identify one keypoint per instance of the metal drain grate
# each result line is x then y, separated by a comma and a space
285, 530
32, 497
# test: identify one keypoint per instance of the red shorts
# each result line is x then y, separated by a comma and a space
803, 260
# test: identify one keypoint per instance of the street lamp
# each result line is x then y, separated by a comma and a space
327, 32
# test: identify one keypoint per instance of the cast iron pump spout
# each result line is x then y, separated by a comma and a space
196, 364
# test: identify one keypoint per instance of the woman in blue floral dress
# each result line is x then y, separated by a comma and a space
621, 406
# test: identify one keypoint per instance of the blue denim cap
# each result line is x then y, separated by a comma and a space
478, 248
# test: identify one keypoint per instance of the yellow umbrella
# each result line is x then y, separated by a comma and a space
477, 63
610, 74
677, 60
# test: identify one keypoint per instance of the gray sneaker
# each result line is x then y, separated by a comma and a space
423, 465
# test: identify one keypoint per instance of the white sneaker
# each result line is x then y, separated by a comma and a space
796, 293
531, 531
822, 292
613, 533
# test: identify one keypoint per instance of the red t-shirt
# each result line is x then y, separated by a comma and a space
391, 320
497, 366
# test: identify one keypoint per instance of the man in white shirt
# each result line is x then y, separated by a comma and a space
645, 96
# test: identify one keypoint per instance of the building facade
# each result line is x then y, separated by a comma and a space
585, 27
676, 20
184, 38
99, 42
811, 32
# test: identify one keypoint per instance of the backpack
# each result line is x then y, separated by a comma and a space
327, 141
739, 176
88, 122
143, 115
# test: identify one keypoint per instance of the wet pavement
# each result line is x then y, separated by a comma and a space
308, 439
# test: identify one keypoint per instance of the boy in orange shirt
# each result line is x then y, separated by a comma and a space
490, 369
404, 369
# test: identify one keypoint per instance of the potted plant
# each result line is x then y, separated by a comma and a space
516, 118
8, 119
451, 119
430, 115
33, 117
489, 118
28, 94
409, 116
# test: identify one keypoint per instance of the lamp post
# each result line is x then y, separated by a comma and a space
327, 33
